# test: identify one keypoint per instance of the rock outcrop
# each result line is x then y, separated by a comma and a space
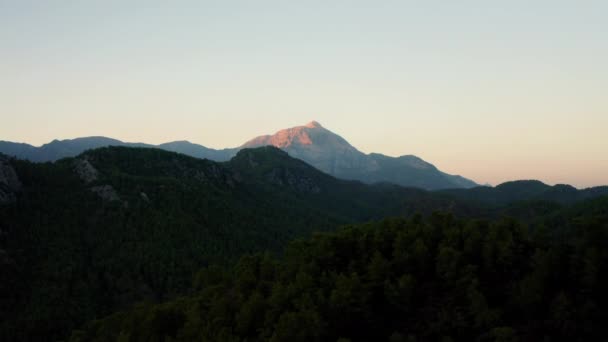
9, 181
89, 174
85, 170
284, 177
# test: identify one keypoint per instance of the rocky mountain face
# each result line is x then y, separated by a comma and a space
332, 154
311, 143
9, 182
319, 147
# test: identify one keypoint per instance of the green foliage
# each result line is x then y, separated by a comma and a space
414, 279
68, 256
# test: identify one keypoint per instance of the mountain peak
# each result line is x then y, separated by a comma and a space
296, 140
332, 154
314, 124
312, 143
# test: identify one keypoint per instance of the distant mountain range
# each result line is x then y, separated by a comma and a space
526, 190
311, 143
332, 154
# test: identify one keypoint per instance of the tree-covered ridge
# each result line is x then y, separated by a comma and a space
525, 190
312, 143
434, 279
89, 235
83, 237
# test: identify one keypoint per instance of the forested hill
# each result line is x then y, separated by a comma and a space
83, 237
435, 279
525, 190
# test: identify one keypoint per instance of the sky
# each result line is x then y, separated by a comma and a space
491, 90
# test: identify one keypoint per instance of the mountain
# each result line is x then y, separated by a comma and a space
58, 149
88, 235
85, 236
525, 190
312, 143
198, 151
332, 154
319, 147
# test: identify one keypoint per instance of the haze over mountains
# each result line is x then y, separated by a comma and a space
311, 143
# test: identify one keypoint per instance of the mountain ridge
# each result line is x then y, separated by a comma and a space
333, 154
313, 143
119, 225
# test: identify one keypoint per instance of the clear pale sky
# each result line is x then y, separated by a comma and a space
492, 90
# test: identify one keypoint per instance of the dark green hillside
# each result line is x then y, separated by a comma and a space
83, 237
269, 169
435, 279
525, 190
117, 225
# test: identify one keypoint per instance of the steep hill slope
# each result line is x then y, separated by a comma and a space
331, 153
85, 236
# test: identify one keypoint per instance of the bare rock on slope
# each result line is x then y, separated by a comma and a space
332, 154
9, 181
86, 171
